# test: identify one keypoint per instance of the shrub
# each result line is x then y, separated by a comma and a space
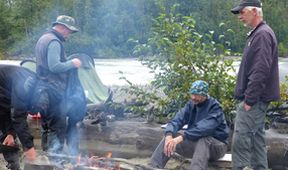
182, 55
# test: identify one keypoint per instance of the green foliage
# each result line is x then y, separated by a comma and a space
283, 50
281, 105
145, 102
107, 27
2, 56
182, 55
283, 96
275, 12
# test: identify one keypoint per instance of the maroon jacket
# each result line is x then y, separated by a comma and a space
258, 76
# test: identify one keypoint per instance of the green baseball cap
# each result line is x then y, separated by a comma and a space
67, 21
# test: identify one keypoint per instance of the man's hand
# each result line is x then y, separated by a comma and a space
167, 150
77, 63
247, 107
30, 154
170, 144
9, 140
178, 139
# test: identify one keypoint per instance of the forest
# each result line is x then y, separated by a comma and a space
113, 28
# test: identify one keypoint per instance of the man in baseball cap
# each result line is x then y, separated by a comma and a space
257, 85
55, 68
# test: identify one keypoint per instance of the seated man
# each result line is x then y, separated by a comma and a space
206, 136
14, 96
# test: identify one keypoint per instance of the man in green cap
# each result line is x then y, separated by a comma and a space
205, 138
257, 85
52, 68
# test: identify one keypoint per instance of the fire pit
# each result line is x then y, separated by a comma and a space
66, 162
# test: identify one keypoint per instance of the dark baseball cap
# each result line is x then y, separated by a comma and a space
244, 3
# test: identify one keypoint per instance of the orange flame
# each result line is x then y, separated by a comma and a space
79, 159
108, 155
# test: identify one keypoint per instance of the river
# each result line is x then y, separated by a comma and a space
109, 70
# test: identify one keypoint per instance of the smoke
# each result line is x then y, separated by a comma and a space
109, 27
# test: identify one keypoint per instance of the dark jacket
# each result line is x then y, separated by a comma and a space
13, 94
75, 100
6, 126
58, 80
258, 76
205, 119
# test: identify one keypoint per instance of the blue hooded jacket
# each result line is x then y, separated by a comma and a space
204, 119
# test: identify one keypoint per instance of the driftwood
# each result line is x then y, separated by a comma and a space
132, 139
126, 139
277, 148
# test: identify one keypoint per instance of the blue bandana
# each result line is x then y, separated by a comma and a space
199, 87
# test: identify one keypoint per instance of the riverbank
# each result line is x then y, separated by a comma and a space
111, 70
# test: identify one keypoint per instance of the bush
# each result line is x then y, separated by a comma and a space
283, 50
182, 55
279, 105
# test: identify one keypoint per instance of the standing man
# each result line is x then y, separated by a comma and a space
53, 70
15, 93
257, 85
204, 140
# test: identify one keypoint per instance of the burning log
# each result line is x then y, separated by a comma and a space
54, 161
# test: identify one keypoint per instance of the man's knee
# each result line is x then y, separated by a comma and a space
242, 141
205, 141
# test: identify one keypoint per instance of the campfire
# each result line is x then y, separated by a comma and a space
95, 162
66, 162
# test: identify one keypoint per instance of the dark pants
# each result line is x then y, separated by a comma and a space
201, 151
249, 147
57, 127
53, 124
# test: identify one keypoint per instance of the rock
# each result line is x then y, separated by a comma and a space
277, 147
